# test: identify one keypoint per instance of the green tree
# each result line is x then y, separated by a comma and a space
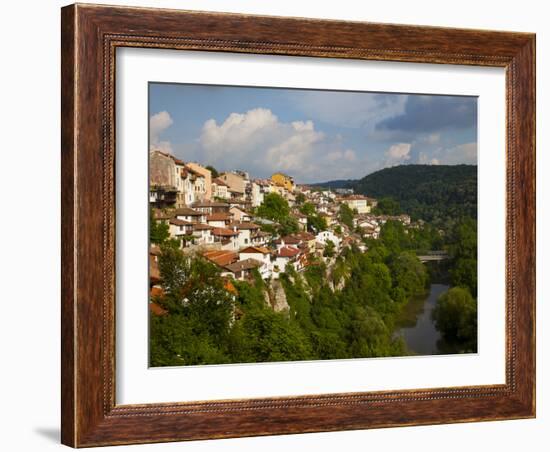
409, 273
316, 223
330, 248
394, 236
462, 250
264, 336
288, 225
387, 206
213, 170
455, 315
300, 198
274, 207
308, 209
159, 232
464, 274
345, 215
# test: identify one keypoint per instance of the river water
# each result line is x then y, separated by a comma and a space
416, 326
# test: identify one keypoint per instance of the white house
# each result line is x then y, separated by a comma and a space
239, 214
199, 184
218, 220
228, 238
178, 228
357, 202
246, 230
203, 234
220, 189
285, 256
324, 236
256, 194
259, 254
191, 215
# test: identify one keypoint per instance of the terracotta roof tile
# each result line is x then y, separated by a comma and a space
247, 264
224, 232
288, 251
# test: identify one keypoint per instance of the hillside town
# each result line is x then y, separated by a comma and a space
219, 218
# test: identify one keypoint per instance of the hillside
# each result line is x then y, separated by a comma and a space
435, 193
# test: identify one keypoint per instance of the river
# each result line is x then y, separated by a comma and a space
416, 326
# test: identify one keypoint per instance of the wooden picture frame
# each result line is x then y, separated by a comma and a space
90, 36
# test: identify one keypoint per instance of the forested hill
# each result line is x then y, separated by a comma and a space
435, 193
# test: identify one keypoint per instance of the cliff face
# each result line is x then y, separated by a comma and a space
275, 297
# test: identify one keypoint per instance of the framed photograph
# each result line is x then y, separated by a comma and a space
281, 225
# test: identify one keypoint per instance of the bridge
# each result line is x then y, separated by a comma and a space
434, 256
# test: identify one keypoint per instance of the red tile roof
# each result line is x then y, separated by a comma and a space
255, 249
188, 212
157, 309
247, 264
224, 232
289, 239
243, 225
219, 216
221, 257
306, 236
288, 251
202, 227
178, 222
218, 181
161, 215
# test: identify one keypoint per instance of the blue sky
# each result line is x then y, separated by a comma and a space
310, 134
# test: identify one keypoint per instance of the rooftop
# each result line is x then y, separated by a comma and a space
288, 251
219, 216
221, 257
247, 264
243, 225
187, 212
255, 250
224, 232
178, 222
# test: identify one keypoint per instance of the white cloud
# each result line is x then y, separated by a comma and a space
424, 159
345, 109
463, 153
397, 154
158, 123
258, 141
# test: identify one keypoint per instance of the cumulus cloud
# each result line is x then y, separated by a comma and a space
398, 154
258, 141
465, 153
462, 154
424, 159
158, 123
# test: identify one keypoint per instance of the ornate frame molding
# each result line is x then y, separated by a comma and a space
90, 36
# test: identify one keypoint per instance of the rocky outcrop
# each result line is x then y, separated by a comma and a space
275, 296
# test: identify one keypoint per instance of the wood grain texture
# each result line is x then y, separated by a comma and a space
90, 36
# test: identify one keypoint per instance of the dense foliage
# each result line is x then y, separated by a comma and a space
456, 317
274, 207
214, 172
387, 206
345, 215
206, 323
433, 193
158, 232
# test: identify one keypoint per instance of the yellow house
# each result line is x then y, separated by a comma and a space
282, 180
